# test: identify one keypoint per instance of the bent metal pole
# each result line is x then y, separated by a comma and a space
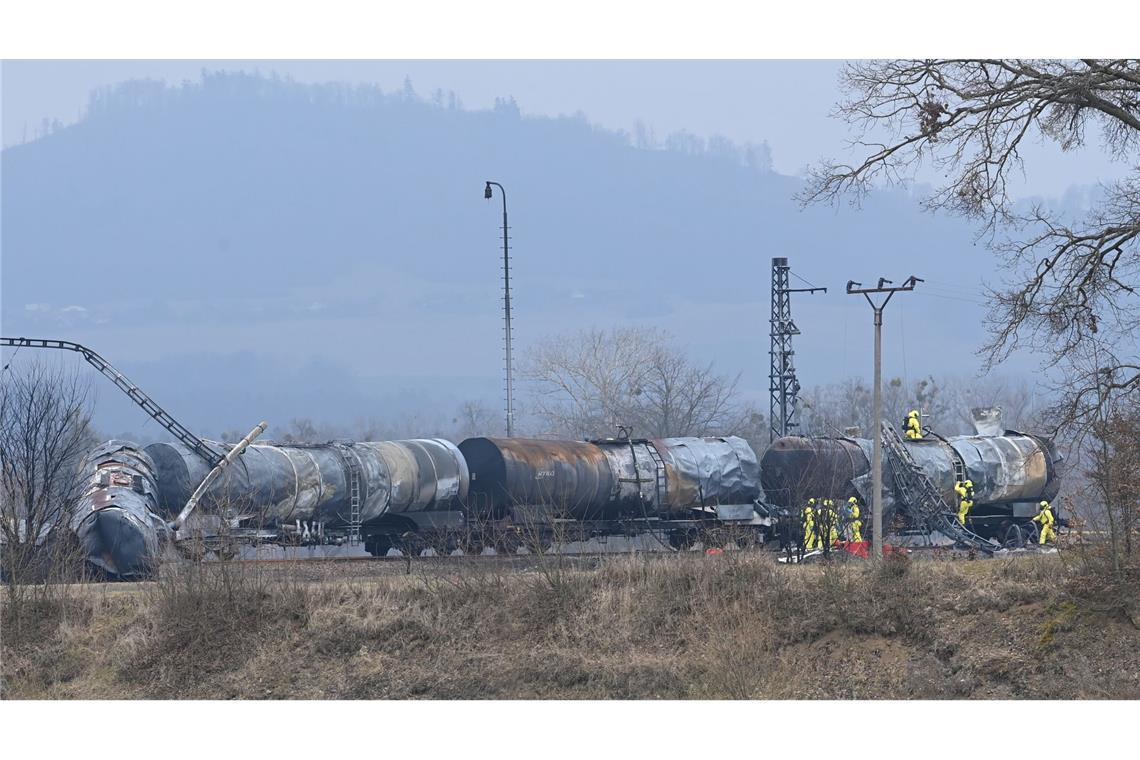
233, 454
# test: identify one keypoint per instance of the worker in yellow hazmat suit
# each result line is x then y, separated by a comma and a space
913, 425
855, 525
1046, 519
965, 491
808, 521
831, 521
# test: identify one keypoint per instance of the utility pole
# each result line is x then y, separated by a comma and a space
506, 309
783, 387
877, 456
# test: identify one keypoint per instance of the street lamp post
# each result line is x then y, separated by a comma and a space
487, 193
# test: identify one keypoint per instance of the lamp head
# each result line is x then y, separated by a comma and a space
487, 191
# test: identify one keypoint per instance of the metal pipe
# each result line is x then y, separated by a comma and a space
233, 454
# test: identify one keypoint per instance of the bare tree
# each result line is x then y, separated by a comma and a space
45, 430
588, 383
1115, 471
474, 418
1071, 279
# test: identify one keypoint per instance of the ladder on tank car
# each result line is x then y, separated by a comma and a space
355, 497
920, 495
662, 483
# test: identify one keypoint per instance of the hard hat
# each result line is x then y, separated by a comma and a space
913, 413
969, 484
852, 500
1044, 504
810, 502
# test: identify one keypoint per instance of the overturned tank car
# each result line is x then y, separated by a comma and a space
117, 520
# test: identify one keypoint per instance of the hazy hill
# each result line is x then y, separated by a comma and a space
255, 247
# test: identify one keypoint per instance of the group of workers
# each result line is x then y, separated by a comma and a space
823, 524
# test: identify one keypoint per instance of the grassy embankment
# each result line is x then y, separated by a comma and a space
730, 626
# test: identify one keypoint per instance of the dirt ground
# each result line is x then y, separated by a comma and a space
736, 625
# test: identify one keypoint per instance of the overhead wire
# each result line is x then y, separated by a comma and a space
802, 279
11, 359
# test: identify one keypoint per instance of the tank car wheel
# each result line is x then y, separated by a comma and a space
470, 546
507, 542
1012, 537
411, 544
682, 539
377, 546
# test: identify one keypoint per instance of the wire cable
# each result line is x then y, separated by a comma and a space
9, 364
803, 280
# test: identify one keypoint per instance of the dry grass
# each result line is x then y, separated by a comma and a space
688, 626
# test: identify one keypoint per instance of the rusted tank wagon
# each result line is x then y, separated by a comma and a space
117, 520
610, 479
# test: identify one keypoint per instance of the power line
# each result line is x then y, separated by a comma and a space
804, 280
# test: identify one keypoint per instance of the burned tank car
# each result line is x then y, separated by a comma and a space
117, 521
1011, 473
795, 469
611, 479
305, 489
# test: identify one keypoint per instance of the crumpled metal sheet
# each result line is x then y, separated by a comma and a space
988, 421
709, 472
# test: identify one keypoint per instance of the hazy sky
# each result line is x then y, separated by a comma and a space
785, 103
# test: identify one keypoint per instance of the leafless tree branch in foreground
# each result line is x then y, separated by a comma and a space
1071, 279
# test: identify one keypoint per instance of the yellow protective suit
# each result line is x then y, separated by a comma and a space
832, 518
809, 528
854, 524
913, 426
965, 491
1046, 520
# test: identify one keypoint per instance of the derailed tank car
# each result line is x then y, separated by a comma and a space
1011, 473
117, 520
609, 486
